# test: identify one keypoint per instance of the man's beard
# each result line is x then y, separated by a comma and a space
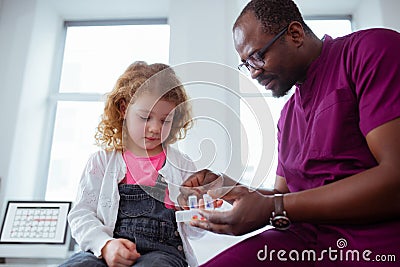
281, 91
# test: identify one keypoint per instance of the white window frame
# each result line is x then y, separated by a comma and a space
55, 96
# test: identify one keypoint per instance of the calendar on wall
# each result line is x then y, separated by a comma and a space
35, 222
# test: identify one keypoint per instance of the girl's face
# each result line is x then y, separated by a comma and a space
148, 123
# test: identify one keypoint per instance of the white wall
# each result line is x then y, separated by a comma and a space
361, 21
201, 31
377, 13
390, 14
27, 51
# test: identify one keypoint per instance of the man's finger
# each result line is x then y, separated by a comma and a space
212, 179
195, 179
227, 192
212, 227
217, 217
219, 192
187, 191
182, 203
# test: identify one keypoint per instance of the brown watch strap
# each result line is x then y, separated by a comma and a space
278, 199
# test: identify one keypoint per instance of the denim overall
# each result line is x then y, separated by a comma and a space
143, 219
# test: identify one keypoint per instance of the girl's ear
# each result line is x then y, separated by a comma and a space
122, 107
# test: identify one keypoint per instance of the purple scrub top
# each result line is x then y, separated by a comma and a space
352, 88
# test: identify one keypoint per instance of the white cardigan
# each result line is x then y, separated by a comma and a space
93, 216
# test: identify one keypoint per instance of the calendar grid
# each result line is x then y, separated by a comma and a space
35, 222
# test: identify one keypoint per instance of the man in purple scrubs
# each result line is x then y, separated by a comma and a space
336, 200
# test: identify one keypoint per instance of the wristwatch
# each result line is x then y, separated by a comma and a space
279, 218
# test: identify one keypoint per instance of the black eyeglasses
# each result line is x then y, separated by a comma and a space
256, 59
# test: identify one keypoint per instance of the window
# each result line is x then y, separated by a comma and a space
95, 55
251, 148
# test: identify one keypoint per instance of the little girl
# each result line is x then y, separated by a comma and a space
124, 213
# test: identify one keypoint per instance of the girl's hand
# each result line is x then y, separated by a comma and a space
120, 253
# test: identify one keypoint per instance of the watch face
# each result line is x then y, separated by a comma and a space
280, 222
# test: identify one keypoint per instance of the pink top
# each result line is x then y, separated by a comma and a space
144, 171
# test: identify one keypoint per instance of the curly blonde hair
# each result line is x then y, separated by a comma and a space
137, 76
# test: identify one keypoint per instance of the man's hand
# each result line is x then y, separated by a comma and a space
198, 184
120, 253
251, 211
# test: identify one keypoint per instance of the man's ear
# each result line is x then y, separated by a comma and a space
122, 107
296, 33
